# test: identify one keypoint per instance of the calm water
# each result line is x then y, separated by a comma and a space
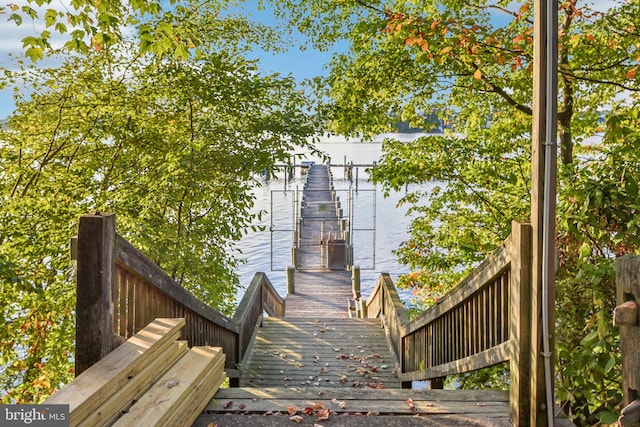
380, 226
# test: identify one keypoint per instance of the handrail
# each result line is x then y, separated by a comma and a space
483, 321
385, 300
120, 290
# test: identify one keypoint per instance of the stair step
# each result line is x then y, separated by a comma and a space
293, 352
384, 407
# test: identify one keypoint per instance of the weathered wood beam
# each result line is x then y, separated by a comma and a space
94, 290
627, 319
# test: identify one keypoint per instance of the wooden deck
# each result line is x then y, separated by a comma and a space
320, 293
319, 222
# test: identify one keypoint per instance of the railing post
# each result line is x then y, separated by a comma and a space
291, 279
520, 323
355, 282
94, 289
627, 318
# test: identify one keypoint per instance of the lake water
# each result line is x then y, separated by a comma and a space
380, 226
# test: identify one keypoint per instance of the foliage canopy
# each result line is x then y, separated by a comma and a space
173, 146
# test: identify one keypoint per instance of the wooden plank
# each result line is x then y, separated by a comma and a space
358, 394
490, 357
159, 403
397, 407
94, 386
387, 401
136, 385
201, 393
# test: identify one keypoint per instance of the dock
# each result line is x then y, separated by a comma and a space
317, 353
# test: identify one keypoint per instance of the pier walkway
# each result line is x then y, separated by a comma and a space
322, 284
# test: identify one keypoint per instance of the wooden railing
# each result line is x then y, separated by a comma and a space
626, 316
484, 321
120, 291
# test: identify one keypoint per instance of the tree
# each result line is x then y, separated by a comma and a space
173, 147
471, 62
170, 29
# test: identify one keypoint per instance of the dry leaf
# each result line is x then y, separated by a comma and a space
411, 404
292, 410
319, 405
373, 413
323, 414
229, 404
242, 406
296, 418
481, 404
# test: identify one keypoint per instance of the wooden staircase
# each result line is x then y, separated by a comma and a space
315, 371
293, 352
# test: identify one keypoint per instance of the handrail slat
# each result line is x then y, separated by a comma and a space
480, 277
483, 321
136, 262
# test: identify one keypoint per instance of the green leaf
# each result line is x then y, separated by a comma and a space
585, 250
34, 53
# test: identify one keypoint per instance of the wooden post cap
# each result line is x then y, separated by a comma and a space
626, 314
630, 415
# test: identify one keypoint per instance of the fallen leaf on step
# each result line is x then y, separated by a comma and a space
481, 404
323, 414
296, 418
373, 413
292, 410
229, 404
411, 404
341, 404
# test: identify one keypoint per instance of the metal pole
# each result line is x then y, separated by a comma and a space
543, 210
375, 218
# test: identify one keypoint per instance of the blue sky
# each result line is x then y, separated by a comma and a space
301, 63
